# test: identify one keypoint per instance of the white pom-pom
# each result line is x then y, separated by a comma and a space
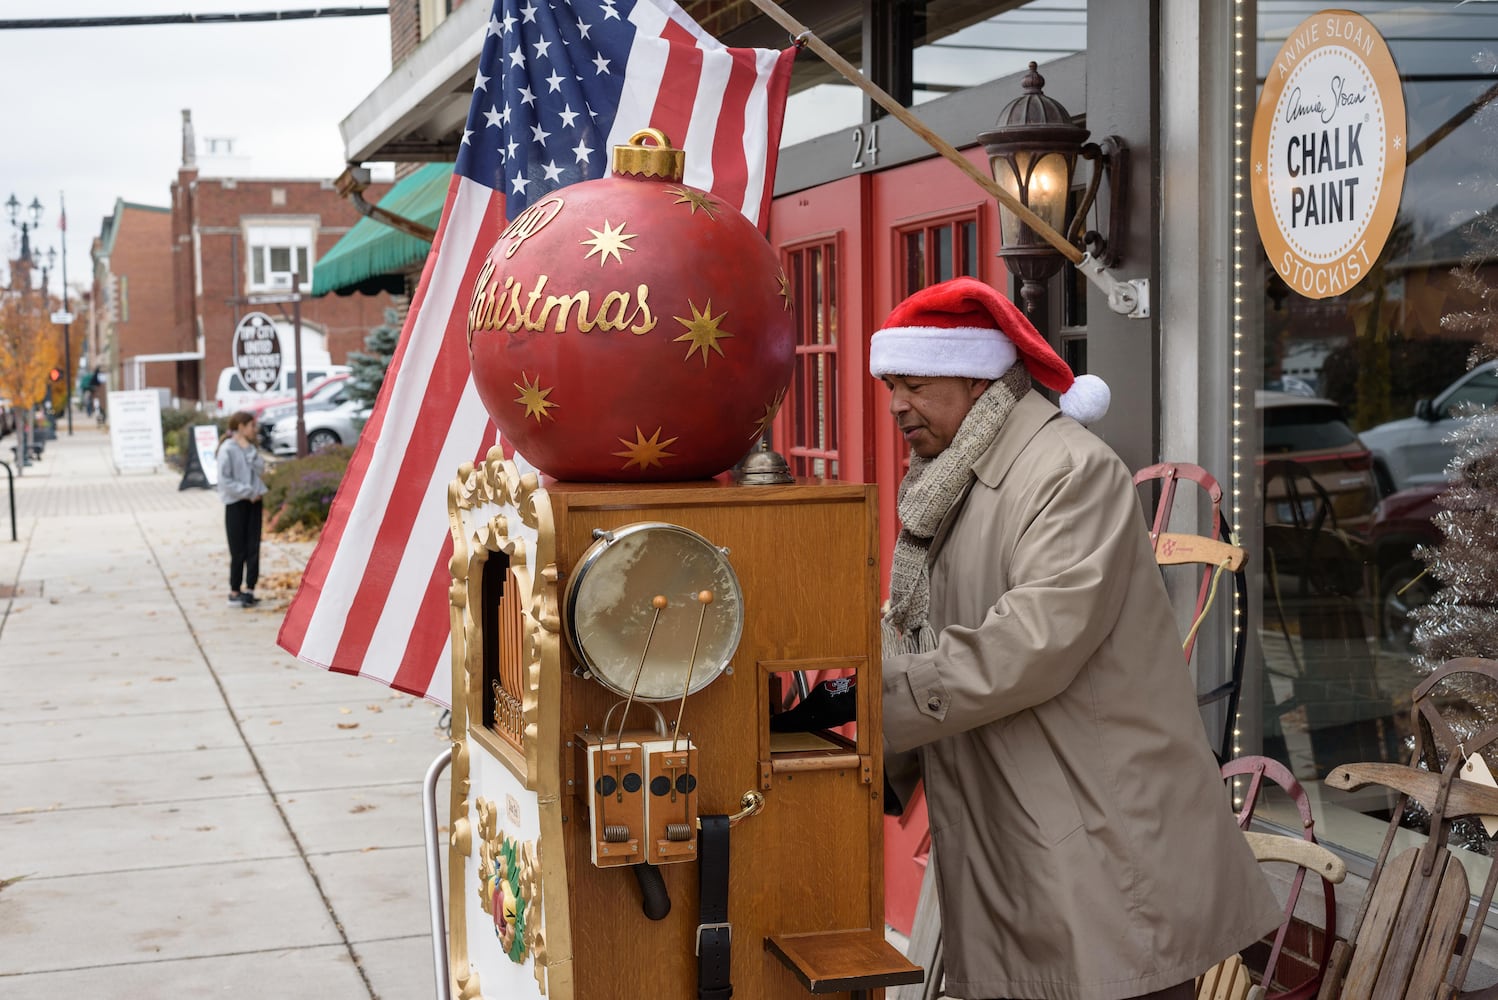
1087, 399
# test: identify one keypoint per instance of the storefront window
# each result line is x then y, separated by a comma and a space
1351, 460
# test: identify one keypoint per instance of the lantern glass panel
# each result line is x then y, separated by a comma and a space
1007, 174
1050, 182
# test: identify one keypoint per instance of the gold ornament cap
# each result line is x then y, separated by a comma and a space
639, 160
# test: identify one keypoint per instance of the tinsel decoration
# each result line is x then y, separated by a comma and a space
1461, 619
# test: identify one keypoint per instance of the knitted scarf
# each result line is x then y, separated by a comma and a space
926, 494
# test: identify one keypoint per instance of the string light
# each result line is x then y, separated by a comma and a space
1236, 479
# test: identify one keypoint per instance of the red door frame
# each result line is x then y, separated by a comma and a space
863, 216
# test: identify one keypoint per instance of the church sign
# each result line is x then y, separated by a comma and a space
1328, 154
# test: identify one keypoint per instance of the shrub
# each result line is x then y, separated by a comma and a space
176, 432
299, 491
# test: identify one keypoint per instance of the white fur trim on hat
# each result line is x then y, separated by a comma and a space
1087, 399
964, 351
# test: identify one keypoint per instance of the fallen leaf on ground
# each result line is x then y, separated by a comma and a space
348, 725
7, 882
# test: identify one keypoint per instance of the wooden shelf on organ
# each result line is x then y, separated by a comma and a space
838, 961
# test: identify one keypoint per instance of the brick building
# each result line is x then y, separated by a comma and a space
132, 290
169, 281
236, 237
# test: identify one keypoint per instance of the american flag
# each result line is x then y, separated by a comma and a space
559, 84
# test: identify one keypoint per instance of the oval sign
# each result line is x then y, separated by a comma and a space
257, 351
1328, 153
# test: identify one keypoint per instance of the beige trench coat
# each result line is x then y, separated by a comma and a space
1084, 844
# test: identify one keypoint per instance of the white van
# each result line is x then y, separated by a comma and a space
233, 394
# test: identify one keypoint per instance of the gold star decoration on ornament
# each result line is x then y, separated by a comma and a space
608, 243
533, 397
695, 200
771, 408
645, 452
785, 290
702, 331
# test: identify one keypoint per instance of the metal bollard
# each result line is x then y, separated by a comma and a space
10, 474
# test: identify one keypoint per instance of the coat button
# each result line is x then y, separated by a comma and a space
934, 703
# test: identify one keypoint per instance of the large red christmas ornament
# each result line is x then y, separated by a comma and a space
632, 328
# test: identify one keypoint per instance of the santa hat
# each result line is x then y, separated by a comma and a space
964, 328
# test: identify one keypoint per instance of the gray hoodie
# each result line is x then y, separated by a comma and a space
239, 470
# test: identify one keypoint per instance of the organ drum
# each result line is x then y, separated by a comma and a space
617, 653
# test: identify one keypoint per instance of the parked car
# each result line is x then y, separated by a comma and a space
1417, 450
1402, 522
338, 425
1318, 492
322, 389
323, 395
232, 394
8, 417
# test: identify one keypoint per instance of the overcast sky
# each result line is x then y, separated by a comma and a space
96, 113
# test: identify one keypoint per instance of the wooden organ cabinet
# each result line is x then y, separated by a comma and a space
586, 620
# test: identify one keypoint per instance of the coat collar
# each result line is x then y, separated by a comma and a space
1032, 412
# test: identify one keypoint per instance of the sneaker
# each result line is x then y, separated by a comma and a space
236, 600
248, 599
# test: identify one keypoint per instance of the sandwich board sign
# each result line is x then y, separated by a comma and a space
257, 351
135, 430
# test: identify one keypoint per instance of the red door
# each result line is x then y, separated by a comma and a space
822, 427
852, 249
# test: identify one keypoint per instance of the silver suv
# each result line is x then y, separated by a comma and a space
1417, 450
339, 425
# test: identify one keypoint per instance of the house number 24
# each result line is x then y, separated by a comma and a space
866, 144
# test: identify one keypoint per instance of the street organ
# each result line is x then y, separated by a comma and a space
624, 821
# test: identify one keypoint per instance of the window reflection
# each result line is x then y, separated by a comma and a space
1354, 414
957, 44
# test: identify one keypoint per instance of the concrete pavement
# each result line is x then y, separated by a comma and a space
186, 810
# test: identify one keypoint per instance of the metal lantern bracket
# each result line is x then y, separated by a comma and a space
1128, 297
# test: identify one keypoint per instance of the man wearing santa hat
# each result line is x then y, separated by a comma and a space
1082, 837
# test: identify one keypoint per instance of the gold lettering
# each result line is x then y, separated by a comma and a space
530, 303
512, 314
619, 301
644, 326
530, 222
566, 302
475, 307
486, 313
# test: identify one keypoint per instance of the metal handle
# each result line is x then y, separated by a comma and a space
752, 802
434, 871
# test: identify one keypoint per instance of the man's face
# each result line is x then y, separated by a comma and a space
928, 409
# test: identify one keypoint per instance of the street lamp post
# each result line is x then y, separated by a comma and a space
67, 323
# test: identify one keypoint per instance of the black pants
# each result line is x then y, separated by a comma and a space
242, 524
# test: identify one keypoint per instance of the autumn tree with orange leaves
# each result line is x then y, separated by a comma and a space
29, 348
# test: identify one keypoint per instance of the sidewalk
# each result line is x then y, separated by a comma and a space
186, 810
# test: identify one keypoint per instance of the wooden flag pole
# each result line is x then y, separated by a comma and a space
803, 36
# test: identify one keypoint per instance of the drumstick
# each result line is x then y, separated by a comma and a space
659, 603
704, 597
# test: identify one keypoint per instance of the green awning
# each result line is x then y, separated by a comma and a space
372, 253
